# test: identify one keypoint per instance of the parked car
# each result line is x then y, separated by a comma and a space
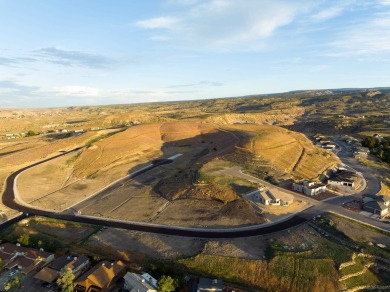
14, 272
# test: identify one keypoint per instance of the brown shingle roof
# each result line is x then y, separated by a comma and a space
101, 275
47, 275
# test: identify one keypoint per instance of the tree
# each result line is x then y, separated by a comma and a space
167, 284
65, 281
14, 282
31, 133
24, 239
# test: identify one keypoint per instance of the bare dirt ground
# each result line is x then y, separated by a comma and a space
357, 233
273, 213
169, 194
150, 245
208, 213
133, 243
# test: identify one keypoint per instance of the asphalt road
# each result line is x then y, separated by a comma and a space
10, 201
332, 205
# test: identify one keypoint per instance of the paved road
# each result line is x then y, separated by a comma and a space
10, 201
332, 205
318, 207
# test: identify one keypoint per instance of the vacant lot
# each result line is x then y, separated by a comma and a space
191, 191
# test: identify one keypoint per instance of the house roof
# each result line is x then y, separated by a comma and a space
206, 284
343, 175
26, 259
101, 275
60, 262
77, 262
10, 248
375, 205
284, 196
150, 279
47, 275
138, 283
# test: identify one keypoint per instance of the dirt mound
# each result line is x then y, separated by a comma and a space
211, 192
239, 209
183, 130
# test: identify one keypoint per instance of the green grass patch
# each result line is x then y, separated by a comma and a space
283, 273
368, 278
104, 136
303, 273
357, 267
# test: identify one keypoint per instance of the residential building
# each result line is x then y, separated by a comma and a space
309, 188
343, 177
361, 152
51, 272
205, 285
274, 196
23, 258
139, 283
376, 204
101, 277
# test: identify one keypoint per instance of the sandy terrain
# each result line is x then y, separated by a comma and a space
273, 213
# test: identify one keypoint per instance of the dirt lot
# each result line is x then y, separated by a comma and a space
356, 232
200, 213
166, 194
147, 244
273, 213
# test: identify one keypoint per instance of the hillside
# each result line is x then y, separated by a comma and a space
288, 151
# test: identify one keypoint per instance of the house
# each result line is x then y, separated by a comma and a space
309, 188
361, 152
50, 273
23, 258
343, 177
376, 204
274, 196
206, 284
329, 146
101, 277
140, 283
78, 265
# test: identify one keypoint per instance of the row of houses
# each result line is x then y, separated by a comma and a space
338, 178
100, 277
324, 142
60, 131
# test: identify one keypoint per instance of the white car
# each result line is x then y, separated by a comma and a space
14, 272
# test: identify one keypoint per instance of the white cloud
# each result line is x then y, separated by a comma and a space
77, 91
328, 13
371, 36
228, 24
158, 22
384, 2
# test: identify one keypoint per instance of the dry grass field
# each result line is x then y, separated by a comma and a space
288, 151
173, 193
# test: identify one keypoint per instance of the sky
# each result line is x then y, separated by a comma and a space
95, 52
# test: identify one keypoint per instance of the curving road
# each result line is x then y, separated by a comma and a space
10, 200
331, 205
